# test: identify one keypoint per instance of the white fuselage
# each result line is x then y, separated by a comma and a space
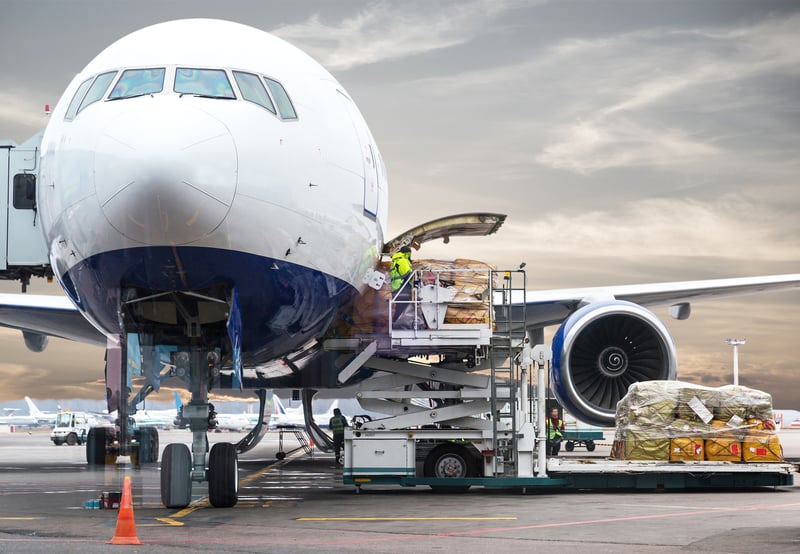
172, 191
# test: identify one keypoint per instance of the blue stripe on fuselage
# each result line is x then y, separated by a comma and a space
283, 305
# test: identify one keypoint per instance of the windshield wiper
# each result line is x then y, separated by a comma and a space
130, 96
196, 95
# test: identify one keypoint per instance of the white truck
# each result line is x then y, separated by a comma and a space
72, 428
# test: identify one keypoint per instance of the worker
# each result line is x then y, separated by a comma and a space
555, 432
400, 275
337, 424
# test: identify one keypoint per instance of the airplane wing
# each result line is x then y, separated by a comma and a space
44, 315
551, 307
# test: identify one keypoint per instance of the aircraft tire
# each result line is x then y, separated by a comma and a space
176, 476
96, 446
148, 445
223, 475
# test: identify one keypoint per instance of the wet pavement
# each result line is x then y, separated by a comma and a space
301, 505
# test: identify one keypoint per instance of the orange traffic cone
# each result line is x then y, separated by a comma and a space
126, 526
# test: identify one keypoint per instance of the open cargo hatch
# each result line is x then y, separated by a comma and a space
475, 225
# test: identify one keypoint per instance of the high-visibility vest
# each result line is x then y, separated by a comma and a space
337, 424
553, 432
401, 267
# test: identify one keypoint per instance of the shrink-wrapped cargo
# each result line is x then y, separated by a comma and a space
368, 313
723, 449
684, 449
762, 447
695, 419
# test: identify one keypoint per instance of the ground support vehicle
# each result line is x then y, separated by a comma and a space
459, 414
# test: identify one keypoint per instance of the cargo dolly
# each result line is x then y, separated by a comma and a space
581, 437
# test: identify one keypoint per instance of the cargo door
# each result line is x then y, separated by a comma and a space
461, 225
369, 162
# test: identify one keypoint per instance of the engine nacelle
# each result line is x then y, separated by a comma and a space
34, 341
600, 350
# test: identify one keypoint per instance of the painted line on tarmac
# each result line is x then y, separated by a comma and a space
172, 520
12, 518
435, 518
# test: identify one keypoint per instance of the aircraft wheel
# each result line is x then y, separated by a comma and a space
569, 446
176, 476
590, 446
148, 445
223, 475
96, 446
449, 461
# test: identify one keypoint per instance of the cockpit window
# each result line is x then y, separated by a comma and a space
98, 89
253, 90
211, 83
281, 98
76, 100
137, 82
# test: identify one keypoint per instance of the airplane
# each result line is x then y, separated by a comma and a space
208, 190
11, 418
163, 419
283, 417
48, 418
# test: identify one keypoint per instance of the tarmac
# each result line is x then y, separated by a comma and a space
301, 505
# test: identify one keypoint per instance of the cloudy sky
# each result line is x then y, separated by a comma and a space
628, 142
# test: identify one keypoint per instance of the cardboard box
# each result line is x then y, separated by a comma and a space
647, 449
724, 449
762, 448
685, 449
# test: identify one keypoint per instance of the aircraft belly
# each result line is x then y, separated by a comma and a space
284, 305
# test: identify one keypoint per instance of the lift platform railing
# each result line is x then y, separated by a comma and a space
443, 299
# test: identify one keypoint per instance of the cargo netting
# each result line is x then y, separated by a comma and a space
678, 422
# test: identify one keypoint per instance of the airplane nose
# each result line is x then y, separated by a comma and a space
165, 173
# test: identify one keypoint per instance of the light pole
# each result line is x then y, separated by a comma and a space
735, 343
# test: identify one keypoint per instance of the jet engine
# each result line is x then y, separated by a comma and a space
600, 350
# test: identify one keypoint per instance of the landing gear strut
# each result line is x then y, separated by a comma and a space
180, 467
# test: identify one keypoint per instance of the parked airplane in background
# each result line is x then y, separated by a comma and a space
43, 418
210, 193
12, 418
295, 417
163, 419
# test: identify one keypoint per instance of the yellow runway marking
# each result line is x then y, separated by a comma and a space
454, 518
169, 521
18, 518
204, 502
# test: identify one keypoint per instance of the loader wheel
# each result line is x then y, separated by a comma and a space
449, 461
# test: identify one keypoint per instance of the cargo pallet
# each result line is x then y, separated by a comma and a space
608, 476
